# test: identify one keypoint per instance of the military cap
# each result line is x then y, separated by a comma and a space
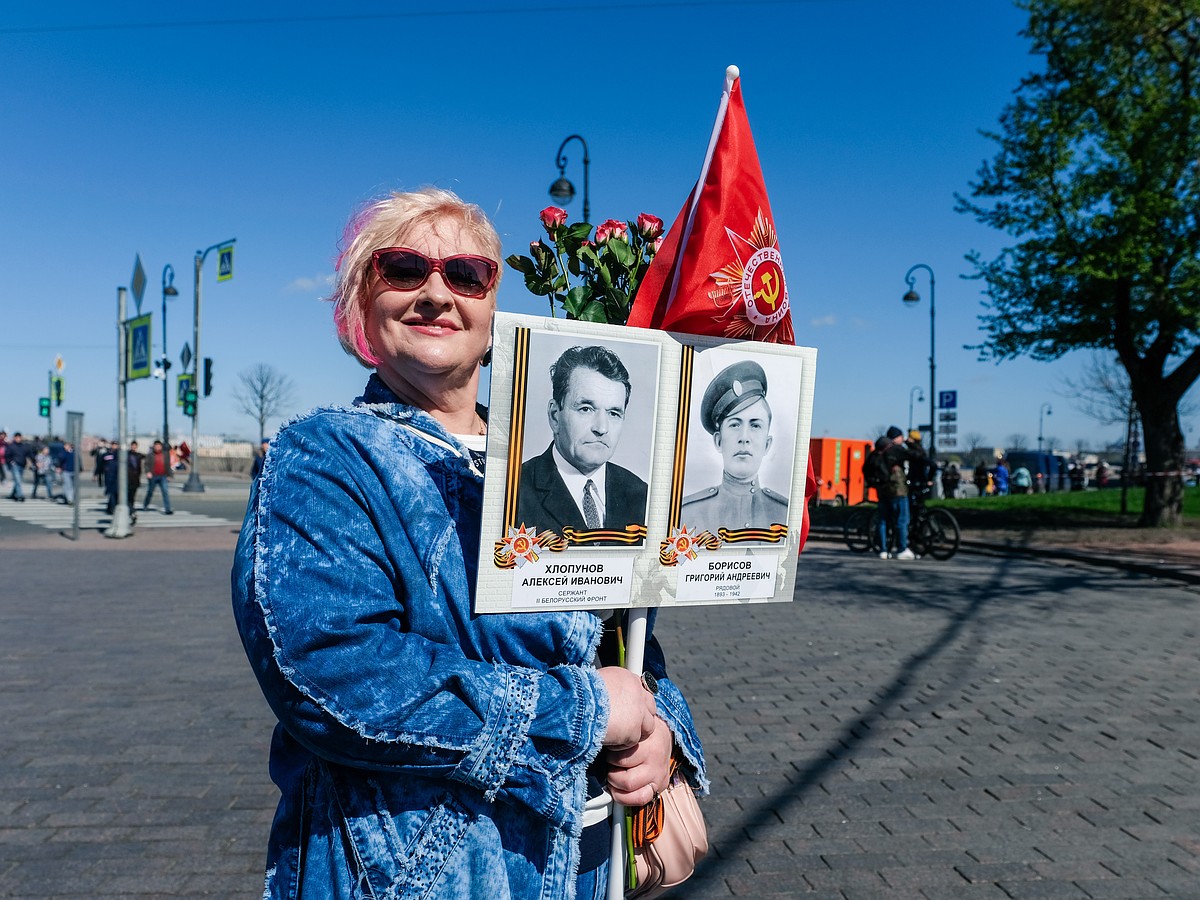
735, 387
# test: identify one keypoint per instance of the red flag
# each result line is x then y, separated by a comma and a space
719, 271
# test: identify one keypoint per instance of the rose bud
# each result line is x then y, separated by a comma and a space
649, 226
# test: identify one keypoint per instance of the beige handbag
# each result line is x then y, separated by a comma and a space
669, 838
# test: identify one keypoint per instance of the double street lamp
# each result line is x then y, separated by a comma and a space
912, 298
562, 190
168, 290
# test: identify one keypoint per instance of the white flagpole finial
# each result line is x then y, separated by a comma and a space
732, 74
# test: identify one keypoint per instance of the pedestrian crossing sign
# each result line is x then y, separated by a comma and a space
225, 263
137, 348
183, 384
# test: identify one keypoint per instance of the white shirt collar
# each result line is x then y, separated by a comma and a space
575, 481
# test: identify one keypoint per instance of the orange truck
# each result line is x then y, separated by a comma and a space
838, 463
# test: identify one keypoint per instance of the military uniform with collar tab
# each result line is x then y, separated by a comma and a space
734, 503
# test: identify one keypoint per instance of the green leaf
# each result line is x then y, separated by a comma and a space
522, 264
594, 312
622, 252
576, 300
537, 286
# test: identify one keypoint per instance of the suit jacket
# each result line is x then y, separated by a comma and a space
543, 500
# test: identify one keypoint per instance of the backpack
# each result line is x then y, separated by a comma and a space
876, 471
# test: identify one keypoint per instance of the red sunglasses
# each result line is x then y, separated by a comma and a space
406, 270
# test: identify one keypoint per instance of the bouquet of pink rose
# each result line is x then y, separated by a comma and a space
593, 278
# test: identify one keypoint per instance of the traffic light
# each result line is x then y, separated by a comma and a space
44, 407
189, 402
58, 391
207, 375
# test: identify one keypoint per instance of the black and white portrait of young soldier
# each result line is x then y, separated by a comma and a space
741, 442
586, 460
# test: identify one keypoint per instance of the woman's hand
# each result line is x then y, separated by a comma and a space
636, 774
631, 710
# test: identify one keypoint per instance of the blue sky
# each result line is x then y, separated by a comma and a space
165, 140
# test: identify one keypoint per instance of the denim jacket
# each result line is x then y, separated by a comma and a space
422, 750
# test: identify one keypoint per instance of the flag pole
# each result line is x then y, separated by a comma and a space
635, 640
732, 73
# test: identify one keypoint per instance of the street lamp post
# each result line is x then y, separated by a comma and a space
915, 390
168, 290
193, 483
562, 190
1043, 411
912, 298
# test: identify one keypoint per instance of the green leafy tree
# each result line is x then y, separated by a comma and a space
1097, 177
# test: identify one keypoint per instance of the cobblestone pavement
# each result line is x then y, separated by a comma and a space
983, 728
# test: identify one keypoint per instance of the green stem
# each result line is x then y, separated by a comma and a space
566, 273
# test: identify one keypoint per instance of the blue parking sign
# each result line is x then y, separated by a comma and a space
947, 399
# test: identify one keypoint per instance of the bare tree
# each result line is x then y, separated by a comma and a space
1018, 442
1101, 392
263, 393
973, 442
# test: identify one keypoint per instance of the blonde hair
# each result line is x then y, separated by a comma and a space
385, 223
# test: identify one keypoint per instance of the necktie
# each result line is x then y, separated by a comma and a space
591, 513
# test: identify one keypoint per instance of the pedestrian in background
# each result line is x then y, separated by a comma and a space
157, 468
922, 471
108, 466
135, 474
66, 472
99, 452
950, 481
3, 448
1021, 480
894, 509
43, 472
1000, 474
259, 458
982, 478
16, 456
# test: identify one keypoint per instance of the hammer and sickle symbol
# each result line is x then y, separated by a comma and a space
770, 292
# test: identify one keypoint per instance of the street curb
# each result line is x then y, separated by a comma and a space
991, 548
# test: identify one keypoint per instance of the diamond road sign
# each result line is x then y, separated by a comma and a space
137, 282
186, 356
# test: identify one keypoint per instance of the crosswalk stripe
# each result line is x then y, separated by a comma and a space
56, 516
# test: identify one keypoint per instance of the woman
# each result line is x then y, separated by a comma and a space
423, 751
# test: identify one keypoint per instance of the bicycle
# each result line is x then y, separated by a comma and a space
931, 532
